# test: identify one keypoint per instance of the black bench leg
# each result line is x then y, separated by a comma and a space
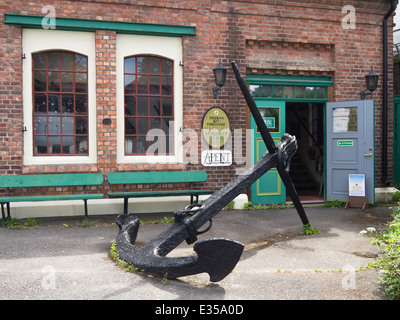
192, 199
86, 210
8, 210
125, 205
3, 223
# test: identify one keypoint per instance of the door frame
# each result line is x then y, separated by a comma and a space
324, 83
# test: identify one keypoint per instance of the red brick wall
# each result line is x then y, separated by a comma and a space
274, 37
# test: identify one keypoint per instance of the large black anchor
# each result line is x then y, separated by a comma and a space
217, 256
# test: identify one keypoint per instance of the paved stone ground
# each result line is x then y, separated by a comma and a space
58, 262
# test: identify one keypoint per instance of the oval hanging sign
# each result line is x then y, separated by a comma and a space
215, 128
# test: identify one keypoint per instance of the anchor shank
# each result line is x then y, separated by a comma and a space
265, 134
175, 235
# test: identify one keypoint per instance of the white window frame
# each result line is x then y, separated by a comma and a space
36, 40
166, 47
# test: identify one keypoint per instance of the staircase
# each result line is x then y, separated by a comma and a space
301, 177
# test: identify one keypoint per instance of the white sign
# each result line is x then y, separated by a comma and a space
357, 185
214, 158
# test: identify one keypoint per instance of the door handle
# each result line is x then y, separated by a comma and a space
367, 154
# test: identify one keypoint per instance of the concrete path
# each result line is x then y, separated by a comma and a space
58, 262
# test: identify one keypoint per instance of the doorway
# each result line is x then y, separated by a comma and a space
305, 120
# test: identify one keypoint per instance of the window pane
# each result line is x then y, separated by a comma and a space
67, 81
68, 145
142, 65
68, 125
166, 66
54, 60
155, 123
143, 125
39, 61
67, 103
54, 81
165, 125
130, 106
278, 91
40, 82
130, 84
299, 92
80, 63
55, 144
81, 125
310, 92
166, 86
142, 145
54, 103
81, 144
54, 125
255, 90
40, 103
266, 91
169, 145
40, 144
81, 82
81, 103
130, 125
154, 65
143, 84
130, 65
155, 106
67, 61
288, 91
130, 144
143, 106
41, 125
167, 107
154, 85
321, 92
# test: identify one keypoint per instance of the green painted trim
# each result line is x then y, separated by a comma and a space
70, 24
311, 81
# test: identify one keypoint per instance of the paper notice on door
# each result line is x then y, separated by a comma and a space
345, 119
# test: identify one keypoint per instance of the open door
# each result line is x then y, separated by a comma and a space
269, 188
350, 147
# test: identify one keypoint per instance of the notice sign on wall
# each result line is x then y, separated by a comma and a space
216, 158
215, 128
357, 185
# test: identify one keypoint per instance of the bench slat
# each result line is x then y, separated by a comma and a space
143, 194
54, 197
50, 180
156, 177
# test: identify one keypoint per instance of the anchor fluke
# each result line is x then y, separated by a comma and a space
217, 257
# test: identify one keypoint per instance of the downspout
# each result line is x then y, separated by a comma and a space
393, 5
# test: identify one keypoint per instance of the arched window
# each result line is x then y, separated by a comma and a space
60, 103
149, 110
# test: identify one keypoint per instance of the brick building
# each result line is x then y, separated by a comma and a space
83, 82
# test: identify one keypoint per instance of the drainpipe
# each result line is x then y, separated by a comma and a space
393, 5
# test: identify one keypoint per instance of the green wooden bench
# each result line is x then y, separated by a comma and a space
49, 180
157, 177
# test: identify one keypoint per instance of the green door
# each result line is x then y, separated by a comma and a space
269, 188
